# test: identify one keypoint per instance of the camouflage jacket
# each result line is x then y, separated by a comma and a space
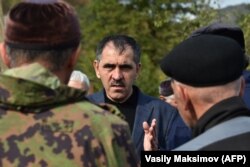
46, 123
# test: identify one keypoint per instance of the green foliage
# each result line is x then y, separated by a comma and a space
244, 23
6, 4
148, 79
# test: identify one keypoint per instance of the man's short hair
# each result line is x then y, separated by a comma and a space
120, 42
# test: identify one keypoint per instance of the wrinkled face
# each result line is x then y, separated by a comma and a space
117, 71
181, 103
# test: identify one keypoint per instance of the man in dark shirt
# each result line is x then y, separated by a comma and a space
118, 65
127, 106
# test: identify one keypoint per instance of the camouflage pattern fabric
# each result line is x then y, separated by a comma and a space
44, 123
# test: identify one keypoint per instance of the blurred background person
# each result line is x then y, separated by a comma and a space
166, 92
79, 80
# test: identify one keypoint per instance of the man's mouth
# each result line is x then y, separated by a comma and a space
117, 84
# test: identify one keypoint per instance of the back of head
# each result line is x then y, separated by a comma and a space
120, 42
42, 25
226, 30
205, 60
47, 32
165, 88
81, 79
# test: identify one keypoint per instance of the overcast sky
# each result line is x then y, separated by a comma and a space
224, 3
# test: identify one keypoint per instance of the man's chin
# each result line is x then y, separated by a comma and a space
118, 98
118, 89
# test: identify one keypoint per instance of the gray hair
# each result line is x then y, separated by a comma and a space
79, 76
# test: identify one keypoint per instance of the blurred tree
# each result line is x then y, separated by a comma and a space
7, 4
244, 22
4, 7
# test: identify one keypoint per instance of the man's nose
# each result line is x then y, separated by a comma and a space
117, 74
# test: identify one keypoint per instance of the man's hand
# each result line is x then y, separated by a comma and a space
150, 142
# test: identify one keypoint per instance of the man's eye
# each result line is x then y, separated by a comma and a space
108, 67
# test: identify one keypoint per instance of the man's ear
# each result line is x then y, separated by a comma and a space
96, 67
5, 58
188, 106
183, 96
187, 100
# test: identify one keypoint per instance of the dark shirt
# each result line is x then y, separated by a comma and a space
170, 130
127, 108
221, 112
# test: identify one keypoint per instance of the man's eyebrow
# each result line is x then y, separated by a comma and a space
120, 65
108, 65
125, 66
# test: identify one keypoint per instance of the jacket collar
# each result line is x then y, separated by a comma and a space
33, 86
220, 112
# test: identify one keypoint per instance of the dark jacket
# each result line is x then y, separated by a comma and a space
220, 114
246, 96
171, 130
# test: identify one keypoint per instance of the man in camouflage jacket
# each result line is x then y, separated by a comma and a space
42, 121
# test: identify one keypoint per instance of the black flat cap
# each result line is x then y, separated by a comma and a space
227, 30
205, 60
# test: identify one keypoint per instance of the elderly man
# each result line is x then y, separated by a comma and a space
79, 80
43, 122
207, 83
234, 32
